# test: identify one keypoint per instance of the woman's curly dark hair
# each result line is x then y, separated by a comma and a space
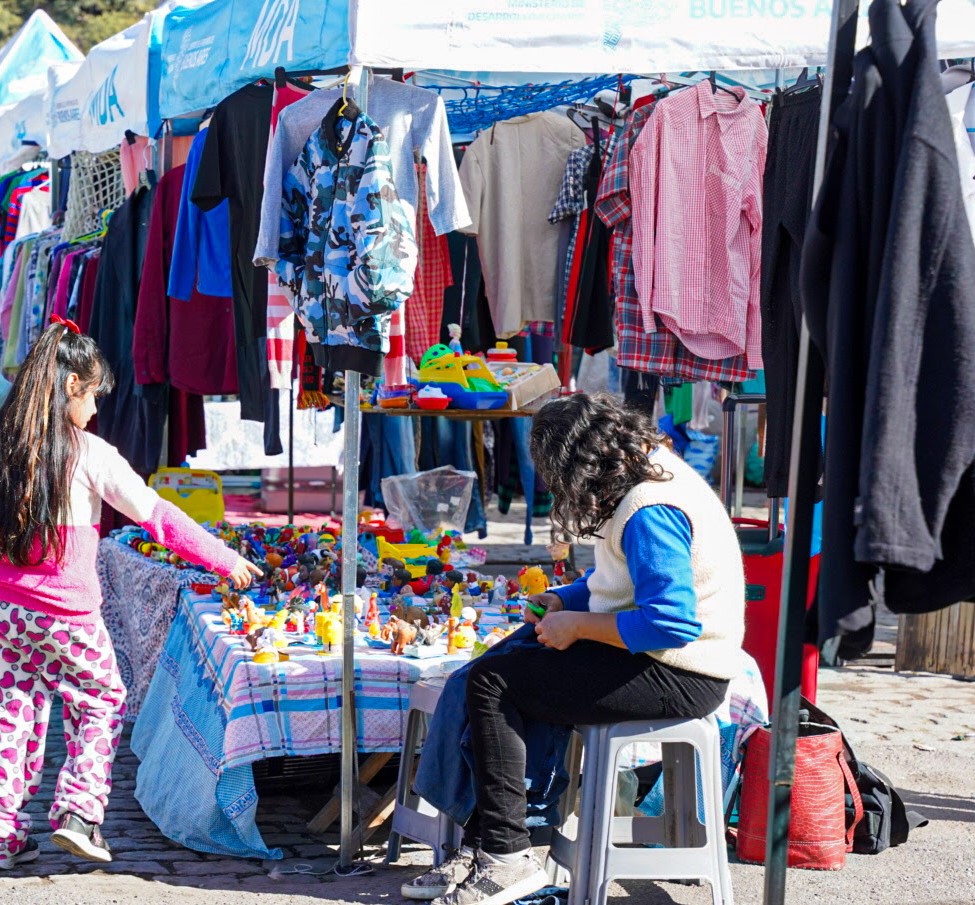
592, 451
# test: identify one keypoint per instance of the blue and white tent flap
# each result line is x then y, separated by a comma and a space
210, 51
25, 57
109, 94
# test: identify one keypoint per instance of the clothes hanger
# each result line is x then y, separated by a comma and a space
803, 83
715, 87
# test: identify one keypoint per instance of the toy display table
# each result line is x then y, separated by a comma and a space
211, 712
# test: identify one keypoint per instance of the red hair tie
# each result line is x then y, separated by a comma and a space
64, 322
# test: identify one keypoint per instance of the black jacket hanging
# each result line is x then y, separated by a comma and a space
888, 269
592, 311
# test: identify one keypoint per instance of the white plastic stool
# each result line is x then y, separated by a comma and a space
413, 817
694, 851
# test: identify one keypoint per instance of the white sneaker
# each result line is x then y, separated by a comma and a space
498, 883
438, 881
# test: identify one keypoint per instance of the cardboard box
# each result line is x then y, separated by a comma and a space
524, 382
317, 489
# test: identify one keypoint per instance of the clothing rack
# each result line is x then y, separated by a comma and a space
803, 480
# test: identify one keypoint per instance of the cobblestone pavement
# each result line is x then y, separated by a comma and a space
919, 729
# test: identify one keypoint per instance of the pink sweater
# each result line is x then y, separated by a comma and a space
70, 591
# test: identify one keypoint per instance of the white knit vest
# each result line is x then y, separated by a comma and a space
719, 578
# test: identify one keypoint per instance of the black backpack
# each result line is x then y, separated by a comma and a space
886, 821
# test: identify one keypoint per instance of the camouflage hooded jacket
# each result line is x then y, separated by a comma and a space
347, 248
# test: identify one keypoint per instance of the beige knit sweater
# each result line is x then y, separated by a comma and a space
719, 579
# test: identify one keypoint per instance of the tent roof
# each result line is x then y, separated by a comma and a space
24, 59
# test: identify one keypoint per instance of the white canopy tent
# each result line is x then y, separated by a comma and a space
606, 36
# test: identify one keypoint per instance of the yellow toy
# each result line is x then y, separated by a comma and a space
407, 552
441, 365
456, 601
532, 580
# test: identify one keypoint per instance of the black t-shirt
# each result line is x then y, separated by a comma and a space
232, 167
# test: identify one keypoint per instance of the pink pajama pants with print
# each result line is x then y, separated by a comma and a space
41, 657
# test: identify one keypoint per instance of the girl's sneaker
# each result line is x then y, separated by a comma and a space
76, 835
28, 853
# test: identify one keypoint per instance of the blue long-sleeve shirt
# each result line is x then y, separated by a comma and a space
657, 546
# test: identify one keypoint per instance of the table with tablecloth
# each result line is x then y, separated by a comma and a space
139, 600
211, 712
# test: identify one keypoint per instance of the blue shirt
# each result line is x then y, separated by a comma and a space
657, 546
201, 247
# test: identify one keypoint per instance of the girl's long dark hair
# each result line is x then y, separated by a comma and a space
592, 451
39, 443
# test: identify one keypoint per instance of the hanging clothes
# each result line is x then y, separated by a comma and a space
201, 246
130, 418
232, 168
414, 123
512, 176
187, 344
696, 179
658, 352
591, 324
348, 253
788, 181
887, 273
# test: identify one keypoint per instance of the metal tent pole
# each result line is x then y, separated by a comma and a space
806, 430
291, 453
350, 548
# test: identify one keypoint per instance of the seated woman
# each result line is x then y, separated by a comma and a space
652, 632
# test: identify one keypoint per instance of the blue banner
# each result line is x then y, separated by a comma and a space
210, 51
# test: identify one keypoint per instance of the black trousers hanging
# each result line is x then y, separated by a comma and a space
793, 130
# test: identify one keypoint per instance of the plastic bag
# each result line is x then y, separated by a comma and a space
432, 501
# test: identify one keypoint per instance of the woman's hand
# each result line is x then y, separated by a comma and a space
244, 573
559, 630
551, 602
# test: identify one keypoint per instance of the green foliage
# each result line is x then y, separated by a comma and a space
86, 22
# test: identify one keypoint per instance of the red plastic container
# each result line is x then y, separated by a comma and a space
763, 591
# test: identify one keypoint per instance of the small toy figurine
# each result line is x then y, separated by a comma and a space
297, 615
455, 344
428, 636
401, 581
452, 635
456, 601
372, 612
422, 586
443, 549
232, 613
499, 594
399, 633
532, 580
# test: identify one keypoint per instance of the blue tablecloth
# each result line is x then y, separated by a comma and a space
211, 712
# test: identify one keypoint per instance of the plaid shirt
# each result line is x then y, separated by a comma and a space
696, 181
434, 275
660, 352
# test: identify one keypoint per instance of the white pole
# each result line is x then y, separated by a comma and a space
350, 549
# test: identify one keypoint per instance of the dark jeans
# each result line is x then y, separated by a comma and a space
588, 683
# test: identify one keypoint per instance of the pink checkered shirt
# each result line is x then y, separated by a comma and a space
659, 352
696, 181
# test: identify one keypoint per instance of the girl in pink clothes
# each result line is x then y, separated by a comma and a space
53, 478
